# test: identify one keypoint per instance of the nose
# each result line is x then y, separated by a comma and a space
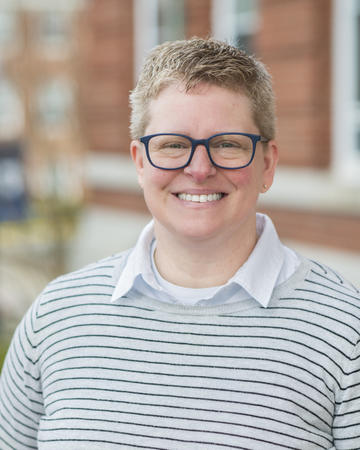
200, 167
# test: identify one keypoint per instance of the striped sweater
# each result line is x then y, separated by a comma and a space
85, 373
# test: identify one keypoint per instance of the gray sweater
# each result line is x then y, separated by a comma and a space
85, 373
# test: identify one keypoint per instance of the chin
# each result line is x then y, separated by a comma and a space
197, 231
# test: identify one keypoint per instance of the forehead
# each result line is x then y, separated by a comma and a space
204, 107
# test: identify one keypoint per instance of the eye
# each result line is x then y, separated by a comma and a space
228, 144
169, 145
176, 144
169, 142
231, 144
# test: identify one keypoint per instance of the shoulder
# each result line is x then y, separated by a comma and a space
73, 300
322, 293
316, 277
328, 281
317, 288
319, 305
95, 281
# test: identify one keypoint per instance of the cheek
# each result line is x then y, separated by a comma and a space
156, 190
156, 179
241, 178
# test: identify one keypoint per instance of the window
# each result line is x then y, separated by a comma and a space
54, 28
12, 182
54, 104
8, 29
346, 91
156, 21
235, 21
53, 33
357, 53
171, 18
11, 111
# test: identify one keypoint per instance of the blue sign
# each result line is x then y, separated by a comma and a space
13, 198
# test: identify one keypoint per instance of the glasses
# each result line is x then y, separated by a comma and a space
171, 151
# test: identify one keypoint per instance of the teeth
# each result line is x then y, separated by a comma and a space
200, 198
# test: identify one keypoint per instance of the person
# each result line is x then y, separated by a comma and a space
209, 333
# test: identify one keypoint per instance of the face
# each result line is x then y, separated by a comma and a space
230, 214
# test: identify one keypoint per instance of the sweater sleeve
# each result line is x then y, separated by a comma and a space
346, 425
21, 404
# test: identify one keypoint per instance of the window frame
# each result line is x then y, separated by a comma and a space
345, 161
12, 113
227, 22
146, 30
55, 104
12, 36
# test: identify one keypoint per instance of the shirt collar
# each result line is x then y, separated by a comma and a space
138, 264
260, 272
258, 275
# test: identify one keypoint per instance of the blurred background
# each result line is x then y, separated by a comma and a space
68, 191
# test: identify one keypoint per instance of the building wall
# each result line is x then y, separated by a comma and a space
39, 62
32, 64
294, 41
107, 74
198, 21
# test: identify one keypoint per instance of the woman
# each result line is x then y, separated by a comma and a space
210, 333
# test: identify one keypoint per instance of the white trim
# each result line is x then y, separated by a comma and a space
108, 171
226, 24
345, 158
345, 262
108, 230
311, 189
220, 12
146, 34
42, 5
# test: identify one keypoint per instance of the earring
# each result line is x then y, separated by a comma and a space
265, 187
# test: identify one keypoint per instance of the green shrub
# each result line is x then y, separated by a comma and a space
4, 344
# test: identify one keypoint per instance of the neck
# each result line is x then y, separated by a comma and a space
201, 263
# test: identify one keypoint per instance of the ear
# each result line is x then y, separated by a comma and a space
271, 157
137, 155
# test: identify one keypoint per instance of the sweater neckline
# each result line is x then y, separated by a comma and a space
283, 289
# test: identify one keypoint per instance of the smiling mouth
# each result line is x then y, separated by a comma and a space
201, 198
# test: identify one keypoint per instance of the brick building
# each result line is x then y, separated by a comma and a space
39, 106
311, 47
41, 145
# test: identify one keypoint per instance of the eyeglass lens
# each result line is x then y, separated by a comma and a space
227, 150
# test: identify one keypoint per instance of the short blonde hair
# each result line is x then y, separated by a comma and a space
198, 60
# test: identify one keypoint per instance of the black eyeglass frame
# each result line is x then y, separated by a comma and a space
255, 138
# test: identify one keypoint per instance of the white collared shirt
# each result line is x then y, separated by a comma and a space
269, 264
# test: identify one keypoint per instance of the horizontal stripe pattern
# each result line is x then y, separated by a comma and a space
83, 372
